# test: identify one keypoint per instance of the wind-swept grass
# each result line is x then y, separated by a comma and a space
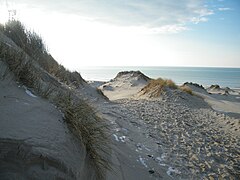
33, 45
36, 69
186, 89
157, 86
89, 128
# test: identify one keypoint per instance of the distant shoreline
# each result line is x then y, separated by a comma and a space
224, 77
99, 83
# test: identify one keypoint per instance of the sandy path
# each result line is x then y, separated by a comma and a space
169, 140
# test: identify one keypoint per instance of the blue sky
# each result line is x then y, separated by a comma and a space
222, 26
135, 32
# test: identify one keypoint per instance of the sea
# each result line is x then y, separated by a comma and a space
206, 76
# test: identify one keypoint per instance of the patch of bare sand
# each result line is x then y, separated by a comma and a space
176, 136
124, 85
224, 100
156, 139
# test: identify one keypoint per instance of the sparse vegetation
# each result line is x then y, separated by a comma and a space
193, 84
88, 127
1, 28
36, 69
186, 89
99, 91
157, 86
33, 45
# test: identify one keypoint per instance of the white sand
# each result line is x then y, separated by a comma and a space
176, 136
228, 103
124, 86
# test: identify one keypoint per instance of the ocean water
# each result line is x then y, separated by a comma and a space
206, 76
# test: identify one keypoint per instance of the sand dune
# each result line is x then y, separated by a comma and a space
37, 136
173, 136
224, 100
124, 85
35, 142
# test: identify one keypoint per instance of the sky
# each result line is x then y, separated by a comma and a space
81, 33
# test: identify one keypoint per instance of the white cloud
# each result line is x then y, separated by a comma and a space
156, 15
224, 9
174, 28
121, 32
197, 20
204, 12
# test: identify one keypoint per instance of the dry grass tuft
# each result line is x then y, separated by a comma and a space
89, 128
157, 86
186, 89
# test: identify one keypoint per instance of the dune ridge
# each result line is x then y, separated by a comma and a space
26, 66
174, 134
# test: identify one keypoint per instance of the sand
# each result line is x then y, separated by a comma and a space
175, 136
173, 141
219, 100
125, 85
35, 142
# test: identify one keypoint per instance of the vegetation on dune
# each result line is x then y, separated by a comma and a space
33, 45
186, 89
193, 84
88, 127
35, 68
157, 86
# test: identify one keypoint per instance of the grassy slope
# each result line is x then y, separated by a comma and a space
34, 67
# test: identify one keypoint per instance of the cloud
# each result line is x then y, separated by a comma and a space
224, 9
197, 20
204, 12
166, 29
158, 15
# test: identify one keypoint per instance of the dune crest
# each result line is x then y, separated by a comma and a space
126, 84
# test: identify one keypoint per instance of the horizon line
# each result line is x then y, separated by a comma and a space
129, 66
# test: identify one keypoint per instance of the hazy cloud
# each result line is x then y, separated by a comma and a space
197, 20
224, 9
156, 14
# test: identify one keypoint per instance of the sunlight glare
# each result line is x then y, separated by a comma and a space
3, 15
77, 41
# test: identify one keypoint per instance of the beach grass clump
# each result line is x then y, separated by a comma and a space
156, 86
24, 70
162, 83
89, 128
186, 89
